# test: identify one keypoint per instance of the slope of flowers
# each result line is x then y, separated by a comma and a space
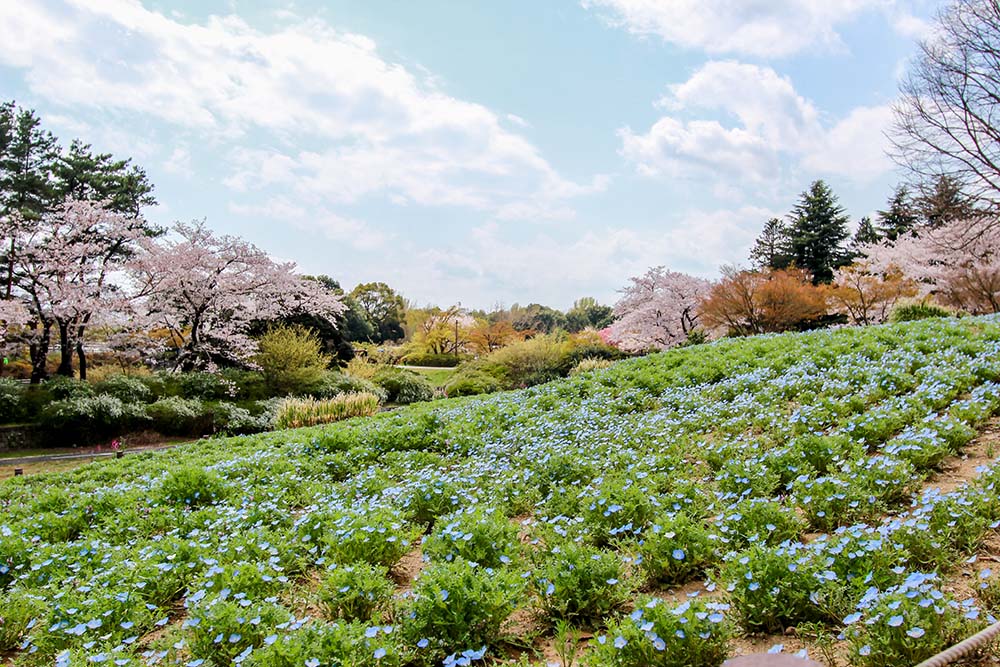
786, 469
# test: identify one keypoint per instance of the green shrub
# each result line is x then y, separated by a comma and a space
89, 417
907, 624
428, 359
358, 592
471, 383
291, 359
581, 584
676, 549
457, 606
17, 610
910, 312
174, 415
759, 521
235, 420
191, 485
590, 364
223, 632
200, 385
334, 383
481, 536
245, 385
376, 537
403, 386
125, 388
346, 644
298, 412
62, 388
772, 588
691, 634
12, 404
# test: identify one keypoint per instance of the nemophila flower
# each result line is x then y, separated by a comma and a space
916, 633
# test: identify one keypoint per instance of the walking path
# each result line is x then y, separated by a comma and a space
69, 456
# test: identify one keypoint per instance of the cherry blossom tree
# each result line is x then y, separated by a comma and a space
63, 266
957, 262
657, 310
207, 290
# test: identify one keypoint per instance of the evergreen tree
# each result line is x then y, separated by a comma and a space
817, 231
900, 217
82, 174
28, 157
865, 235
943, 201
770, 250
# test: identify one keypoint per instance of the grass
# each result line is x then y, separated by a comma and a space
782, 479
438, 377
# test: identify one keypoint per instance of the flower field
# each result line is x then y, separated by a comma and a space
657, 512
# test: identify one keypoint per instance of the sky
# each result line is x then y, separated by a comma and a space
474, 152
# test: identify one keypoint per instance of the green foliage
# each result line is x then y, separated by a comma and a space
907, 624
774, 588
358, 592
12, 403
62, 388
403, 386
378, 538
692, 634
470, 382
428, 359
590, 364
191, 485
91, 417
485, 537
125, 388
179, 416
17, 611
334, 383
291, 358
581, 584
458, 606
676, 549
911, 312
347, 644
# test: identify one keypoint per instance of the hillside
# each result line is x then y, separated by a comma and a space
678, 507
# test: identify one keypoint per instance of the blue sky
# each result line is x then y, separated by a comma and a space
477, 152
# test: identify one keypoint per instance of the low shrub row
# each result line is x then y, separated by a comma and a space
534, 361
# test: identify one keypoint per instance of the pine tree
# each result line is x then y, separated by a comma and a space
28, 156
900, 217
770, 250
82, 174
866, 234
943, 201
817, 231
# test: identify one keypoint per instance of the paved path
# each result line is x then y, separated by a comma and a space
45, 458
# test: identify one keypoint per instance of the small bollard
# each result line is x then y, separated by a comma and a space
18, 472
119, 454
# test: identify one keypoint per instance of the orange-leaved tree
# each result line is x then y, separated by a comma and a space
867, 296
753, 302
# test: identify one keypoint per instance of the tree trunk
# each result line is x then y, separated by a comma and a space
65, 351
39, 354
81, 354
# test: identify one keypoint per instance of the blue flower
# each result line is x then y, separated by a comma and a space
916, 633
620, 642
895, 621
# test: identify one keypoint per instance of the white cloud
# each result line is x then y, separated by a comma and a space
552, 267
344, 230
760, 129
855, 147
373, 127
762, 28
